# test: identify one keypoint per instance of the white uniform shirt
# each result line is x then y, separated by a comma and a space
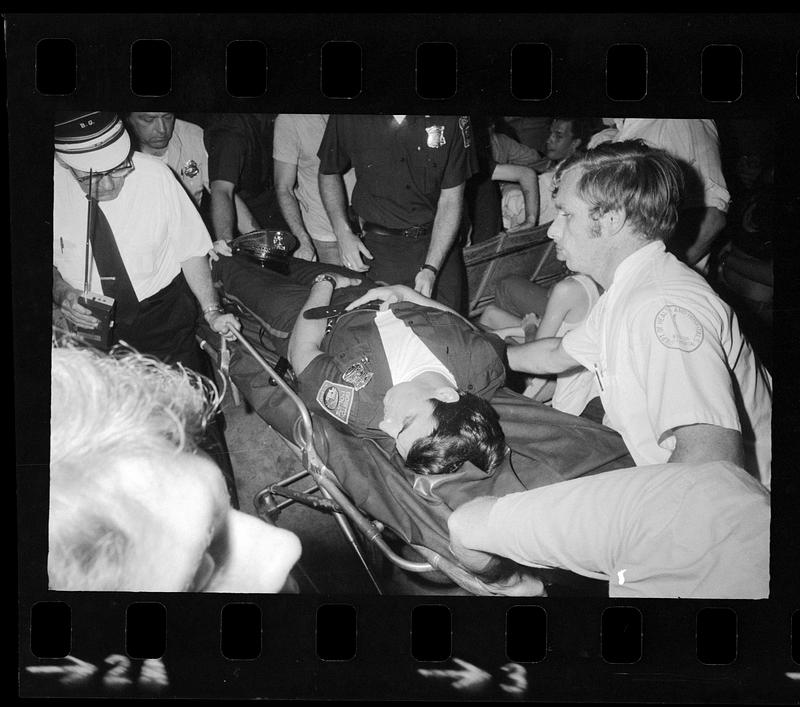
186, 156
155, 224
670, 530
695, 144
297, 137
668, 352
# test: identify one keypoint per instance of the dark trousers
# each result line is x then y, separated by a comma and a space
165, 328
396, 260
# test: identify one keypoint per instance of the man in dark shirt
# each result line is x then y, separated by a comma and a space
239, 147
410, 176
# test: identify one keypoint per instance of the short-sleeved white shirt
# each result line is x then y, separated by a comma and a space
669, 352
155, 224
296, 139
186, 156
695, 143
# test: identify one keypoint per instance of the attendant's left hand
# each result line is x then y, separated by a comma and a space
389, 294
424, 281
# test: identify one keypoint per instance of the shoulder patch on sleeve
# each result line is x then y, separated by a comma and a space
337, 399
466, 130
677, 328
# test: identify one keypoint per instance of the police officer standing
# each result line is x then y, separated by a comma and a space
410, 176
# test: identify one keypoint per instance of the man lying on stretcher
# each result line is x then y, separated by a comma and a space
388, 362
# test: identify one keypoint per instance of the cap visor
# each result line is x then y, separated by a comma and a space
100, 160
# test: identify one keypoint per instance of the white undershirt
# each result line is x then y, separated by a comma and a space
406, 353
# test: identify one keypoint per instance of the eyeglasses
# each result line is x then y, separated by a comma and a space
118, 172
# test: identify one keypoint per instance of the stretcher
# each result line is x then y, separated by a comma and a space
379, 504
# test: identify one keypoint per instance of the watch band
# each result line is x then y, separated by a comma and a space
433, 269
322, 277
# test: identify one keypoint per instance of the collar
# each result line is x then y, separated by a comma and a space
634, 261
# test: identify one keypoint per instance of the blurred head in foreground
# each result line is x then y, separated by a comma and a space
134, 504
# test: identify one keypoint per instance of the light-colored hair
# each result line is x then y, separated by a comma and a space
644, 182
105, 407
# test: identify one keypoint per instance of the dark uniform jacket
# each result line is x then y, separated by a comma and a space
349, 381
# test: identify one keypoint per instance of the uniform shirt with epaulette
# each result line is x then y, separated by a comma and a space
348, 382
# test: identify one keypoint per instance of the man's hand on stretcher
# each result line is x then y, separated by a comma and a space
391, 294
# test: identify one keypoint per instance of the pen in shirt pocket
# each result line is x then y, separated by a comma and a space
61, 240
599, 379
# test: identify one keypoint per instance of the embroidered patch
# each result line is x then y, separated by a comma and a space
436, 136
678, 328
358, 374
337, 399
466, 130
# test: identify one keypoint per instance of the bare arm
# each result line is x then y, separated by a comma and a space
529, 184
334, 199
712, 222
307, 334
445, 227
540, 357
198, 277
704, 443
285, 180
245, 221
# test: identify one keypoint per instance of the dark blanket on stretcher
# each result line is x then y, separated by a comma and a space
546, 446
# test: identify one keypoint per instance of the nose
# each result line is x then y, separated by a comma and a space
161, 126
552, 232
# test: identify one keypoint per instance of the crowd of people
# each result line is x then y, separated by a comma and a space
660, 329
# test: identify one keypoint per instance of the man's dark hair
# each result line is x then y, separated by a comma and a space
644, 182
467, 430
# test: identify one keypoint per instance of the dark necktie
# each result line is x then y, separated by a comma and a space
114, 277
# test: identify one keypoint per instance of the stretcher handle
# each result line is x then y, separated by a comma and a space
304, 414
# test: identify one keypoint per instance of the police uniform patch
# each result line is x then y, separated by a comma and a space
466, 130
436, 136
677, 328
358, 374
337, 399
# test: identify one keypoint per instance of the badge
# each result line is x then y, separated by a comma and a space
336, 399
190, 169
678, 328
358, 375
466, 130
436, 136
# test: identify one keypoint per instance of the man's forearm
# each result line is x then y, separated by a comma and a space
198, 277
290, 209
445, 225
334, 199
307, 334
711, 224
223, 213
543, 356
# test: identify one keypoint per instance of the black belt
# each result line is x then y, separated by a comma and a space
411, 232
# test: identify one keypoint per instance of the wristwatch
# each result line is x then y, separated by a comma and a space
322, 277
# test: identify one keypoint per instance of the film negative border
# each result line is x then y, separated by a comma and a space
575, 667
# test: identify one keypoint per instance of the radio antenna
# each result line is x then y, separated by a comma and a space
89, 228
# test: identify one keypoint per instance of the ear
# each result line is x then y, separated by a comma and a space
611, 222
447, 394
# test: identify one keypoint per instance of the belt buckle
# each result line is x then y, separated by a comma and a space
414, 232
